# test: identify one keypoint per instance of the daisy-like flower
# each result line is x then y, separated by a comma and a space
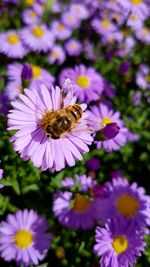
125, 201
48, 146
30, 17
73, 47
60, 30
76, 210
104, 27
101, 116
118, 243
14, 74
143, 34
11, 44
57, 55
135, 6
79, 10
24, 238
70, 20
143, 76
87, 83
38, 38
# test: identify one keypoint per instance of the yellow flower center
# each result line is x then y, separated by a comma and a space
133, 17
106, 121
148, 78
83, 81
38, 32
61, 27
29, 2
23, 239
32, 14
105, 24
54, 53
120, 244
145, 32
13, 39
81, 203
136, 2
36, 71
127, 205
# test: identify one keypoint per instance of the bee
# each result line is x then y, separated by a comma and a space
58, 123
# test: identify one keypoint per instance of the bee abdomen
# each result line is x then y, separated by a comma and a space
76, 112
58, 127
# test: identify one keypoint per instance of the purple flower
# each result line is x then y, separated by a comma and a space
104, 27
24, 238
143, 78
30, 17
124, 67
73, 47
87, 83
118, 243
125, 201
11, 45
80, 181
27, 72
101, 116
76, 210
57, 55
15, 86
38, 38
80, 11
60, 30
31, 117
137, 98
93, 164
70, 20
1, 176
108, 132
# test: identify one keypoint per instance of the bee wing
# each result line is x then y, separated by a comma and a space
67, 94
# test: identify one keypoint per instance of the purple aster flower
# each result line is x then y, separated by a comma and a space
36, 140
135, 6
118, 243
60, 30
1, 176
101, 116
132, 137
143, 78
87, 83
93, 164
76, 210
70, 20
80, 11
24, 237
125, 201
104, 27
135, 21
38, 38
11, 45
30, 17
73, 47
57, 55
27, 73
15, 84
143, 35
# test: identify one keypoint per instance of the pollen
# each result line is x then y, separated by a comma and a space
36, 71
120, 244
61, 27
81, 203
29, 2
23, 239
136, 2
127, 205
83, 81
32, 14
13, 39
105, 24
106, 121
38, 32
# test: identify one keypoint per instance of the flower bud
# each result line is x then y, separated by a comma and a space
108, 132
27, 73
